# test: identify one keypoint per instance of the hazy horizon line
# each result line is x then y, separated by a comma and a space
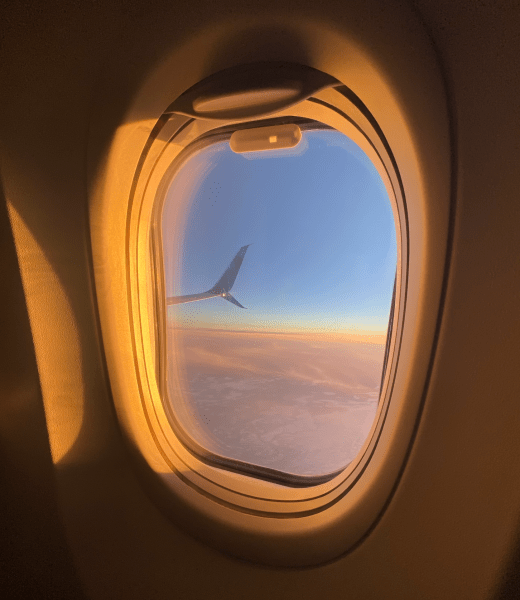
346, 332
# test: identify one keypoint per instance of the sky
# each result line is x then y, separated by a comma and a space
323, 241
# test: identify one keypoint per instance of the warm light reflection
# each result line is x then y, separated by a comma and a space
56, 341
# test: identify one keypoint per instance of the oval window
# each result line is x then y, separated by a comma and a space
279, 270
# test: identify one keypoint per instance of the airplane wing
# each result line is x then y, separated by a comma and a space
190, 298
221, 288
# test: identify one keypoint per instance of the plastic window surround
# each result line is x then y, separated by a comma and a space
247, 517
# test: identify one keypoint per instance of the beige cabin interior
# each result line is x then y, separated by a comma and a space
79, 516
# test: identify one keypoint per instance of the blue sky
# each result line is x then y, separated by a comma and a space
321, 228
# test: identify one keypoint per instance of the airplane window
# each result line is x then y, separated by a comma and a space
279, 270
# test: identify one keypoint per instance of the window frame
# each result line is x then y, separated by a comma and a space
264, 496
170, 406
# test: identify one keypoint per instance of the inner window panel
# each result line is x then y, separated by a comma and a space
279, 268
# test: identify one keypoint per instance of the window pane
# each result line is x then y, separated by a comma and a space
291, 381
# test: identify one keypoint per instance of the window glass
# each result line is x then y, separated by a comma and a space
279, 270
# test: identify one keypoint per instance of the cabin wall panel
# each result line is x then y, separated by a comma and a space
449, 530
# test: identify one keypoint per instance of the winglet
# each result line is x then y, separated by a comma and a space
225, 283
